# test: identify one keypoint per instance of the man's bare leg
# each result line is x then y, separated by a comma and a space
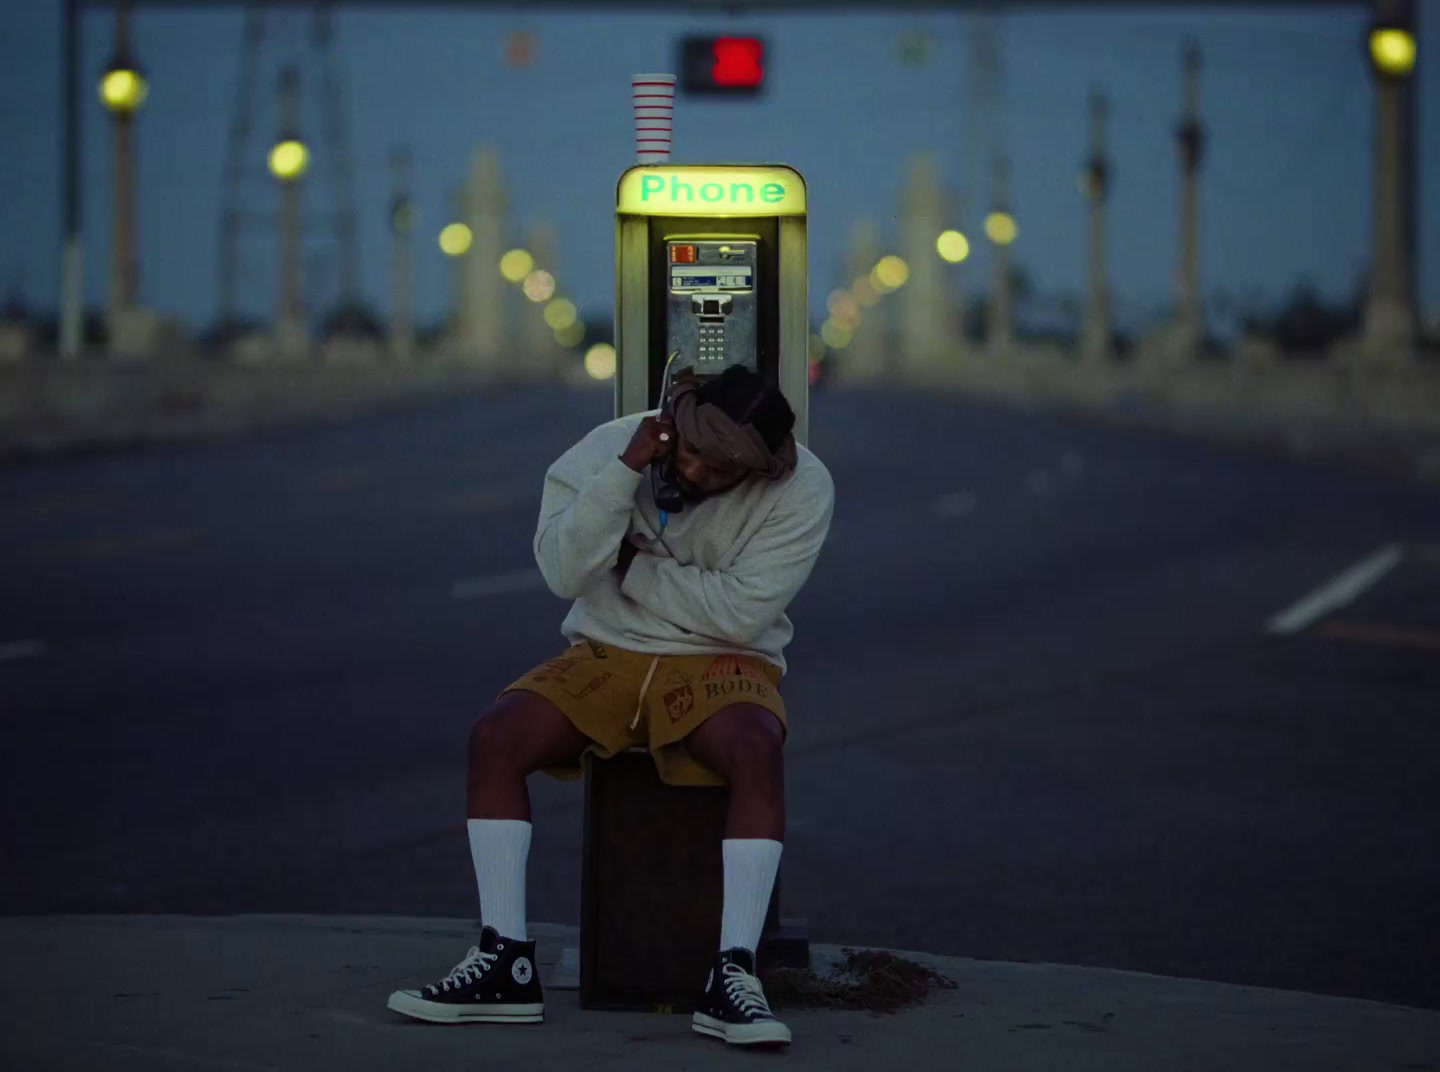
519, 735
744, 745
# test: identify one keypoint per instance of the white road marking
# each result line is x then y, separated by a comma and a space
955, 504
498, 584
1342, 589
21, 649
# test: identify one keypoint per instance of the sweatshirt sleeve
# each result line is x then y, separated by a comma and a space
738, 604
584, 514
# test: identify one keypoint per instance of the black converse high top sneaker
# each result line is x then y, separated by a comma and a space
494, 984
733, 1006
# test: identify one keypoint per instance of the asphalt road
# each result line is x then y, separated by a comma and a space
1037, 713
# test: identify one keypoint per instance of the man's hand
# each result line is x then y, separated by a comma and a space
628, 551
654, 439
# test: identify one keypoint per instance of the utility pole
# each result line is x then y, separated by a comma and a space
1390, 328
1190, 140
242, 120
402, 225
287, 163
1095, 179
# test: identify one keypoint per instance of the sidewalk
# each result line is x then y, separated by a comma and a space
160, 993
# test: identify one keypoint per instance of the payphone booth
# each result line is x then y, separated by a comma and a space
710, 266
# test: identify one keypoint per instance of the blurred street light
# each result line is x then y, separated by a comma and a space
1392, 51
952, 246
600, 361
1000, 228
572, 334
455, 239
516, 265
864, 290
890, 274
539, 285
123, 88
836, 335
560, 314
289, 159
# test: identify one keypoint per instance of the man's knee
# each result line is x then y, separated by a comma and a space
751, 738
512, 735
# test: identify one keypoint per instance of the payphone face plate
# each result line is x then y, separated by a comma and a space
711, 303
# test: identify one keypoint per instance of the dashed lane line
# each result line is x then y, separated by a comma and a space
1342, 589
21, 649
498, 584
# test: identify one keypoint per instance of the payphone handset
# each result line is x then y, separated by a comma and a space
663, 485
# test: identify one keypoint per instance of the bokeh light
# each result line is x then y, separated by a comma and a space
864, 291
572, 334
600, 361
123, 90
1000, 228
952, 246
516, 265
836, 335
890, 274
289, 159
539, 285
455, 239
560, 313
1392, 50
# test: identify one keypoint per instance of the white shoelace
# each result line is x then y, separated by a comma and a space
744, 992
467, 971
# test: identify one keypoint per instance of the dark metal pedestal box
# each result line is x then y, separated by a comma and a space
652, 883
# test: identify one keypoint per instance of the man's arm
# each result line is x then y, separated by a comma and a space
584, 514
586, 504
738, 604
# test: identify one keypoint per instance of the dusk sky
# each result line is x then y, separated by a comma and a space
1285, 94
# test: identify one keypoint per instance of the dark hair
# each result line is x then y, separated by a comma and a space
748, 398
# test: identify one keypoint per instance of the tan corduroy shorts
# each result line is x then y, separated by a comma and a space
621, 699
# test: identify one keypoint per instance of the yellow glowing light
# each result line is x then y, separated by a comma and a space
836, 335
1392, 50
560, 313
1000, 228
289, 159
572, 334
891, 273
516, 265
123, 90
952, 246
455, 239
600, 361
539, 285
864, 290
843, 306
663, 190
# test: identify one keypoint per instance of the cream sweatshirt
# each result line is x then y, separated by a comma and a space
716, 581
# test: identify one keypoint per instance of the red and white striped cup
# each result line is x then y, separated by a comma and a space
654, 99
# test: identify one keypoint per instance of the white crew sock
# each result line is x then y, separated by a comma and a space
750, 867
499, 849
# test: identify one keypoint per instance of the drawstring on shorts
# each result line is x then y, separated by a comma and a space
641, 703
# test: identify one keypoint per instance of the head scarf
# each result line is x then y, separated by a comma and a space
721, 440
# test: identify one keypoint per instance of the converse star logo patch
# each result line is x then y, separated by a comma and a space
520, 970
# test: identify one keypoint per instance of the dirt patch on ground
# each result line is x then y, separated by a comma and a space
869, 980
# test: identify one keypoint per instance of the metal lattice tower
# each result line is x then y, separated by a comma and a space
245, 162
